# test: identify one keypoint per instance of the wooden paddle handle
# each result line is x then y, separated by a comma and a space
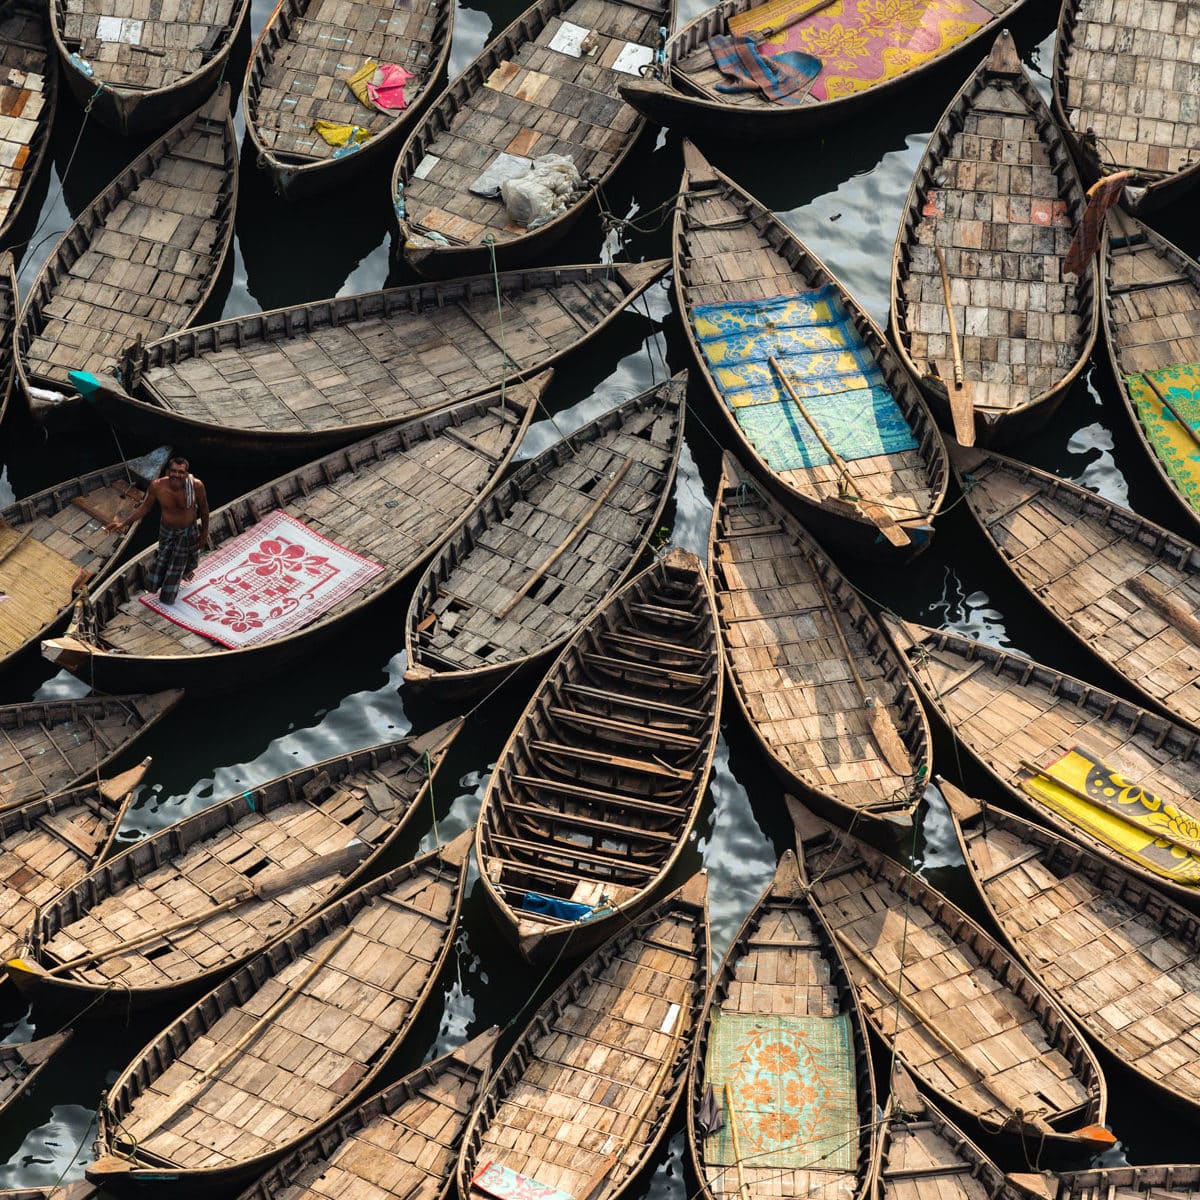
770, 31
743, 1186
958, 362
1187, 428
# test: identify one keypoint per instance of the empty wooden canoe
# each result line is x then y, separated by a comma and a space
1110, 775
81, 1189
1121, 586
1116, 953
690, 98
139, 261
1150, 292
30, 70
54, 542
20, 1063
1170, 1181
989, 219
1124, 89
317, 376
586, 1093
287, 1042
407, 1135
47, 746
179, 909
958, 1011
545, 85
299, 74
600, 783
8, 321
387, 500
756, 302
518, 575
805, 1124
820, 686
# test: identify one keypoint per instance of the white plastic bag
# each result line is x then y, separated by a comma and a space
543, 192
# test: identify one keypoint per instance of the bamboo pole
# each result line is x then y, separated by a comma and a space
1187, 428
743, 1186
962, 407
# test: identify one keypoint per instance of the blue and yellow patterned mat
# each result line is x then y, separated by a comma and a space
1176, 449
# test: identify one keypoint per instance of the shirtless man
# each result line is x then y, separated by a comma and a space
181, 499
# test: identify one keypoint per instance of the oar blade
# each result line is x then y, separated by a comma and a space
887, 737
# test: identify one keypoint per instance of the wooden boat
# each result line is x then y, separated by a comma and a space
30, 69
53, 545
286, 1043
820, 686
178, 910
586, 1093
79, 1190
1124, 588
407, 1134
299, 73
141, 67
21, 1062
988, 223
522, 570
1124, 93
960, 1014
1170, 1181
600, 783
318, 376
743, 273
388, 499
8, 320
140, 260
690, 99
1116, 953
545, 85
1120, 780
1150, 301
781, 983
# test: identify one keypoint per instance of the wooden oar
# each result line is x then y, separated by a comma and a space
1187, 427
770, 31
743, 1186
871, 509
1150, 590
960, 392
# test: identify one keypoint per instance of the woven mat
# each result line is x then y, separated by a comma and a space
794, 1094
35, 586
273, 579
1177, 451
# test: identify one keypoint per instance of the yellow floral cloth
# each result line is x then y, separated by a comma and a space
1176, 449
340, 135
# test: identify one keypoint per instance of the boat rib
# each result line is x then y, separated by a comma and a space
519, 574
989, 219
820, 686
600, 783
21, 1063
177, 910
1167, 1181
8, 319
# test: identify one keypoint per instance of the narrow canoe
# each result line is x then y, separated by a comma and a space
1150, 293
962, 1016
388, 499
288, 1042
545, 85
1116, 778
738, 267
311, 378
409, 1134
585, 1095
53, 543
1116, 953
989, 216
821, 688
180, 909
781, 985
299, 74
1124, 91
690, 99
51, 842
9, 305
1168, 1181
600, 783
29, 98
1122, 587
21, 1062
79, 1190
139, 261
503, 593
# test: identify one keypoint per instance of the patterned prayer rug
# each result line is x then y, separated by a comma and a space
1178, 452
273, 579
794, 1095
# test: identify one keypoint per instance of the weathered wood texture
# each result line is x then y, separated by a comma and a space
783, 610
141, 259
291, 1039
586, 1093
1118, 955
20, 1063
1173, 1181
1125, 84
997, 193
729, 248
495, 598
8, 319
598, 787
186, 904
523, 97
782, 962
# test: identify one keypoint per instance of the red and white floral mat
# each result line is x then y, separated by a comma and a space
267, 582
